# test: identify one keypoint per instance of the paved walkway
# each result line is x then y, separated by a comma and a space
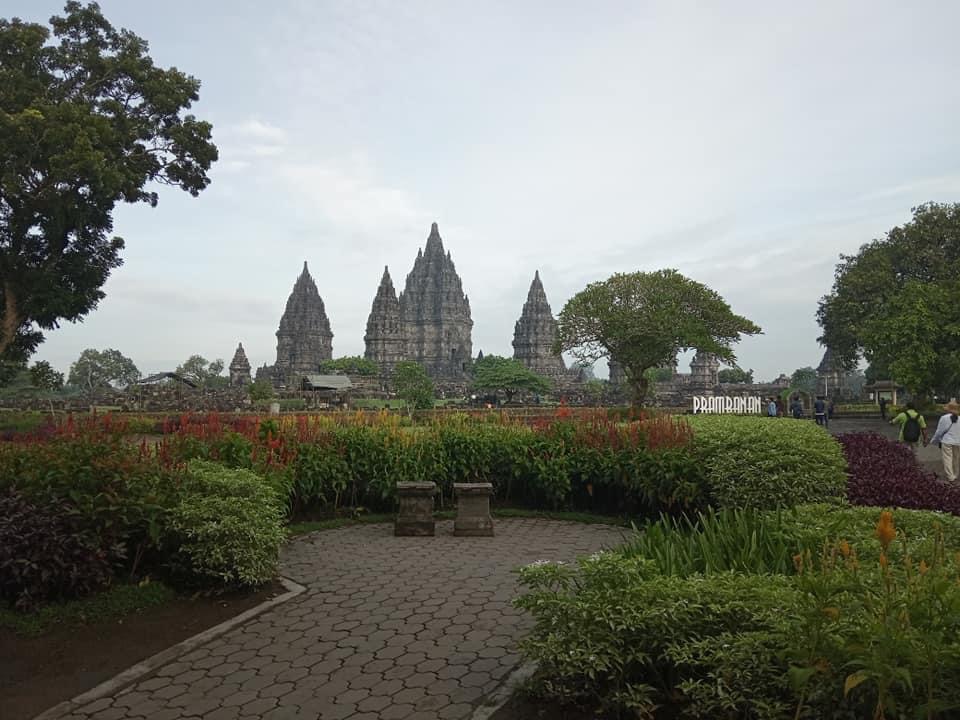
389, 628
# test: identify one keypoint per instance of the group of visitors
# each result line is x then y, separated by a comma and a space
822, 410
913, 431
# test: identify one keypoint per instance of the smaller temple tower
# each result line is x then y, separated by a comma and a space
535, 333
385, 340
704, 369
829, 376
304, 338
240, 367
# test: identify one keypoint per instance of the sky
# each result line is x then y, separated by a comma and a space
745, 144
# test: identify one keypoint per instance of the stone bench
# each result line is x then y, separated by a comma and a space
473, 510
415, 514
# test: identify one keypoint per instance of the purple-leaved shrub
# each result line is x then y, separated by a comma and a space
884, 473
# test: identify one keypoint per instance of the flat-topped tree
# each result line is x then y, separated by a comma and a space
492, 373
643, 320
85, 122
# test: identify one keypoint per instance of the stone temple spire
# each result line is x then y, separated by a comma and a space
436, 314
304, 338
385, 340
239, 367
535, 333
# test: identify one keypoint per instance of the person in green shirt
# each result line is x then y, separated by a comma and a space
913, 427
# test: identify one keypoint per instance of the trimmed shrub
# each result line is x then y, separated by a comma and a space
766, 463
862, 623
226, 529
45, 554
610, 632
885, 473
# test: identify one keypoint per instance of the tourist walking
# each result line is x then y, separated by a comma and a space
948, 437
883, 408
772, 408
796, 409
913, 427
820, 411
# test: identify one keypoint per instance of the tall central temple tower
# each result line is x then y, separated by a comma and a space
435, 313
429, 323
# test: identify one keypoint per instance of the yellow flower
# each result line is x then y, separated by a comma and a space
886, 532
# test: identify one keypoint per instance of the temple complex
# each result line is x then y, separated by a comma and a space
385, 339
535, 333
239, 367
304, 337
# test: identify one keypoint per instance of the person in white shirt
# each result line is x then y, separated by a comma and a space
948, 435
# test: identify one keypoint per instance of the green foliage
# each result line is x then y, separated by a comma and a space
762, 463
203, 372
227, 527
850, 624
43, 376
894, 302
805, 379
643, 320
493, 373
109, 606
716, 541
351, 365
86, 121
735, 375
95, 369
660, 374
611, 633
413, 385
260, 390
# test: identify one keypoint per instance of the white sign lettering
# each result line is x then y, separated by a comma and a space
728, 405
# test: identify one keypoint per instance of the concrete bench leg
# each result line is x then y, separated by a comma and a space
415, 515
473, 510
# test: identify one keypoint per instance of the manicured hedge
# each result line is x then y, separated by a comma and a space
83, 507
864, 620
767, 462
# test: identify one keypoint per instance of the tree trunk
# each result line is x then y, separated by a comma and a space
11, 318
639, 384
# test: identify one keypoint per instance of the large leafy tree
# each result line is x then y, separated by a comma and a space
896, 303
805, 379
735, 375
207, 373
493, 373
642, 320
43, 376
86, 121
95, 369
413, 385
350, 365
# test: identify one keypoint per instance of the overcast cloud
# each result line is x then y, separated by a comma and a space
745, 144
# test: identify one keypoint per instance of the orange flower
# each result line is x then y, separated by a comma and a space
845, 548
798, 562
886, 532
